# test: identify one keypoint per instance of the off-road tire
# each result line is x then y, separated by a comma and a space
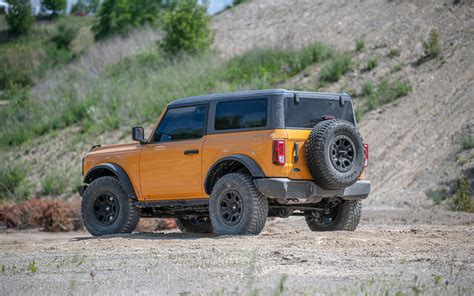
318, 154
255, 206
127, 217
186, 226
348, 218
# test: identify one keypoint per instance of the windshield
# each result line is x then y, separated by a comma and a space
309, 111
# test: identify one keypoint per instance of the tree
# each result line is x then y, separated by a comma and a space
120, 16
80, 8
19, 18
56, 6
187, 28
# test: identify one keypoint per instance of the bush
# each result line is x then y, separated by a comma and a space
120, 16
56, 6
19, 19
13, 183
466, 141
360, 44
432, 45
54, 183
80, 8
337, 66
187, 28
463, 200
393, 52
66, 32
438, 195
372, 64
384, 93
273, 65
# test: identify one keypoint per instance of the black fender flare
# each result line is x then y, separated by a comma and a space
115, 170
251, 165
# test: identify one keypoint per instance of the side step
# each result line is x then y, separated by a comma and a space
172, 203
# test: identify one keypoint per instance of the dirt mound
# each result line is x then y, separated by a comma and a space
55, 215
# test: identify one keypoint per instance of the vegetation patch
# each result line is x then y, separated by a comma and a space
359, 44
54, 183
466, 140
393, 52
334, 68
463, 199
372, 63
13, 183
385, 92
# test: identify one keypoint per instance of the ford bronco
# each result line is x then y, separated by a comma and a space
223, 163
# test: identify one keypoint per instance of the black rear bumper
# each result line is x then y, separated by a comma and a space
286, 190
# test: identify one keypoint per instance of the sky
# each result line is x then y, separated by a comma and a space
218, 5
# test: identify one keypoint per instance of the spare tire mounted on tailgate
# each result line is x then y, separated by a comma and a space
335, 154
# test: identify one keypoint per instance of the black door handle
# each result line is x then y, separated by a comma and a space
188, 152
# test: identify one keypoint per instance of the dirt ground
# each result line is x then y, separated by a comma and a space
424, 251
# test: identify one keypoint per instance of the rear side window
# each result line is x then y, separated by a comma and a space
250, 113
308, 112
182, 124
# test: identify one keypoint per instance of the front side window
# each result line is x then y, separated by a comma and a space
182, 124
251, 113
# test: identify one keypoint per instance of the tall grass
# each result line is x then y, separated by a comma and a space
136, 89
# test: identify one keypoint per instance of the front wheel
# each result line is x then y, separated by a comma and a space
343, 215
106, 208
236, 207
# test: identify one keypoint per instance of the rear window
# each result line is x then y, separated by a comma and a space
308, 112
250, 113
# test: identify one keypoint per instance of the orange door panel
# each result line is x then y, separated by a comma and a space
166, 172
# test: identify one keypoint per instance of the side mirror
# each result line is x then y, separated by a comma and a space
138, 134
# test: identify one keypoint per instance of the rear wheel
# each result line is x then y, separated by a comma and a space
343, 215
106, 208
236, 207
195, 224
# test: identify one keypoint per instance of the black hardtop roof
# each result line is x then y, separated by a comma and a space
247, 93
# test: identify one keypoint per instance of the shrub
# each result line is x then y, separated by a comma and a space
273, 65
120, 16
19, 19
384, 93
187, 28
360, 44
56, 6
66, 32
432, 47
466, 141
54, 183
337, 66
393, 52
13, 183
438, 195
463, 200
372, 64
368, 89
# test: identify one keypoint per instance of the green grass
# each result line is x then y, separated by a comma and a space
25, 60
54, 183
466, 141
136, 90
359, 44
13, 182
463, 199
393, 52
438, 195
385, 92
334, 68
372, 63
432, 45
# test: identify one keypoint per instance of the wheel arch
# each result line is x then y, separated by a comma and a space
114, 170
231, 164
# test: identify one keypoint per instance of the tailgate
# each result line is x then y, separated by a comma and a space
297, 154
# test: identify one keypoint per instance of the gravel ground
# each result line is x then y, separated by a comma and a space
391, 251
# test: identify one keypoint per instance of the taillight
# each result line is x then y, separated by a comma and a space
366, 155
279, 152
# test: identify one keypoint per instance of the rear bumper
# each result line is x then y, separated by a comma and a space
285, 190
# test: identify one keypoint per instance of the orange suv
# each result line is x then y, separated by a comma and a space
223, 163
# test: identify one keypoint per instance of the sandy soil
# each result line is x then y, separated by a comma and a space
390, 251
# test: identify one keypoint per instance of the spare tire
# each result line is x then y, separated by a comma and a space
335, 154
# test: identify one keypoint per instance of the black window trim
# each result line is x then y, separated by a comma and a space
212, 116
204, 132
